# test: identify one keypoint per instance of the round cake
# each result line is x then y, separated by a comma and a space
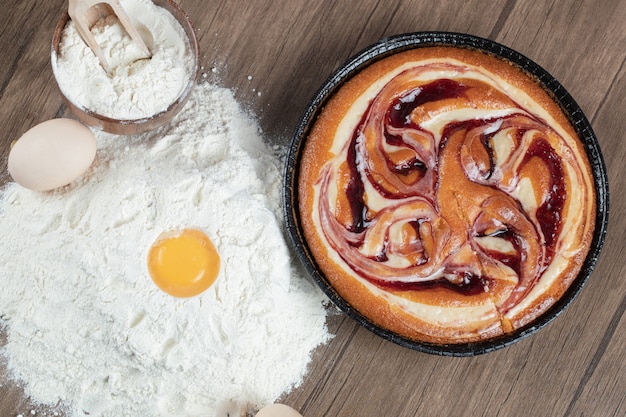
445, 196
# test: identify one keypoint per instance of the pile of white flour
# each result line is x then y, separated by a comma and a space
122, 93
89, 330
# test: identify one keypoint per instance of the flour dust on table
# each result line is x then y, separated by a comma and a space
89, 332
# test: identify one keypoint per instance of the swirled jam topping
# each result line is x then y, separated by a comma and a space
451, 194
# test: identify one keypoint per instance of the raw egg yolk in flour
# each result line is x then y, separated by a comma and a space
183, 263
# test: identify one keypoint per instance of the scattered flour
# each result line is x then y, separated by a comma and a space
122, 94
87, 328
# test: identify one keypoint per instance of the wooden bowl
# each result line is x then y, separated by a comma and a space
136, 126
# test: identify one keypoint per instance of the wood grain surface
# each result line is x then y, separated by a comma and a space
284, 50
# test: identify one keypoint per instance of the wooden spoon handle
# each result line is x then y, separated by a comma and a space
85, 13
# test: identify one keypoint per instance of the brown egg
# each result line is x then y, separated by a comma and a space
52, 154
278, 410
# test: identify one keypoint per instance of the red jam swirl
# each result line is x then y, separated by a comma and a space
444, 198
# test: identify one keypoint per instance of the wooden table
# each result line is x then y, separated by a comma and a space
576, 366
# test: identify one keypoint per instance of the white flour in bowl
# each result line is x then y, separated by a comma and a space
135, 88
89, 330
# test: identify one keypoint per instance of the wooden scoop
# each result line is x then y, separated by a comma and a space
85, 13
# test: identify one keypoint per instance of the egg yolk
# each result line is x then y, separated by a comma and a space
183, 263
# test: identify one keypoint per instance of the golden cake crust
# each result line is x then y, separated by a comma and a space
478, 161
